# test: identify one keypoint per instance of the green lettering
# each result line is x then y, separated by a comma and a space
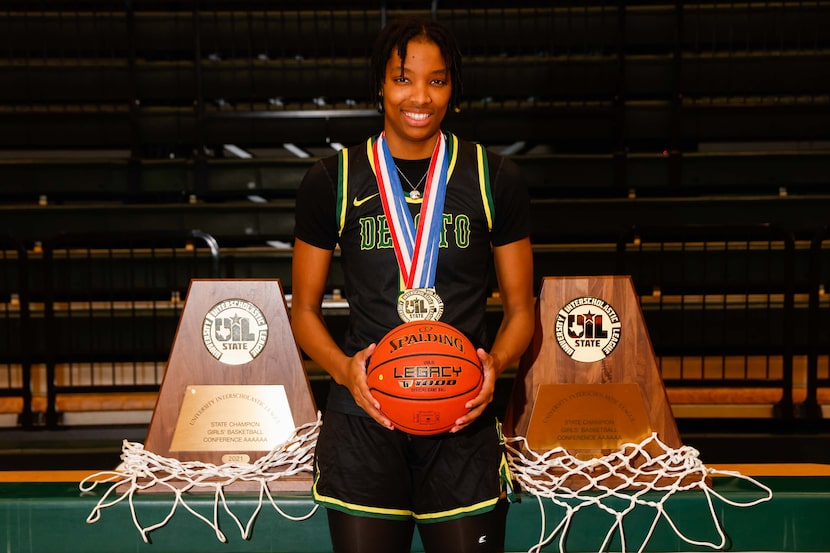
462, 231
446, 220
384, 236
367, 233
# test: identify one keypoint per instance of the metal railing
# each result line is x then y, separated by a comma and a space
818, 355
111, 306
719, 302
15, 328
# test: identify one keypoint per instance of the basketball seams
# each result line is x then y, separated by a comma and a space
428, 354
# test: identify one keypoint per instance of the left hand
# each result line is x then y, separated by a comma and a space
485, 397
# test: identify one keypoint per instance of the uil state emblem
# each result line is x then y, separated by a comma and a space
587, 329
234, 331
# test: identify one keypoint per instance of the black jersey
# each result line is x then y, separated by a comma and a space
486, 204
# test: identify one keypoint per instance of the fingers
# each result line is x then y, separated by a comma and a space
359, 387
478, 404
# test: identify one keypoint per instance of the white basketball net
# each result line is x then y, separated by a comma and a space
622, 478
141, 470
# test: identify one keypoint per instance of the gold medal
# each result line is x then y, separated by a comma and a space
420, 304
416, 247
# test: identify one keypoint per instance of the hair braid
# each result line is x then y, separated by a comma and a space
396, 35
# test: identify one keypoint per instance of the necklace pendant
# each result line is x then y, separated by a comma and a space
414, 194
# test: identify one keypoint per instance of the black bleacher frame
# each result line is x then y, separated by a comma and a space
722, 293
112, 303
818, 358
16, 336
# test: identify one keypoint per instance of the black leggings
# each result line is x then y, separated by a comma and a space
473, 534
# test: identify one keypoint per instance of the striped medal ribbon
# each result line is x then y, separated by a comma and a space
416, 248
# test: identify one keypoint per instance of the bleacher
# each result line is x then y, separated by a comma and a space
147, 143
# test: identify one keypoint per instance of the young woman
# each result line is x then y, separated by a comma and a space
376, 482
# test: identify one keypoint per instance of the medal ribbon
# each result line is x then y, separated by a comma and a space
415, 249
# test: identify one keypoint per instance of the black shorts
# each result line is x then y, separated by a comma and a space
365, 469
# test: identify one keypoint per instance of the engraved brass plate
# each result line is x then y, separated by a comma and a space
587, 417
233, 418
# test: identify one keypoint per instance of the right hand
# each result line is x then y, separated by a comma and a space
355, 379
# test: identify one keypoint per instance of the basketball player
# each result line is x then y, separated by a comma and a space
378, 483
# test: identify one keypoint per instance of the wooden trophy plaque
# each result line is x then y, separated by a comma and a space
235, 386
589, 382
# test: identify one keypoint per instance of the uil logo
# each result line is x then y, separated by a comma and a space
587, 329
234, 331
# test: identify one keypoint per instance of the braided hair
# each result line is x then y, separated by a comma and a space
397, 35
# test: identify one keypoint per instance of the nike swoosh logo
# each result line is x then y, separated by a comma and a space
358, 203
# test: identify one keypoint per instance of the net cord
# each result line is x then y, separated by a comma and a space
625, 475
141, 470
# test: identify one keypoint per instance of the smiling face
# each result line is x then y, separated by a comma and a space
416, 93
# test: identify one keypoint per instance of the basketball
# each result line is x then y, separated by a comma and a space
422, 374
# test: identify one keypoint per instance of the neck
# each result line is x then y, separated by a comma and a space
407, 149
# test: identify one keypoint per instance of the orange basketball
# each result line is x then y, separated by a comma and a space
423, 373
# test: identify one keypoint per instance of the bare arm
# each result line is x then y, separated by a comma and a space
310, 268
514, 270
